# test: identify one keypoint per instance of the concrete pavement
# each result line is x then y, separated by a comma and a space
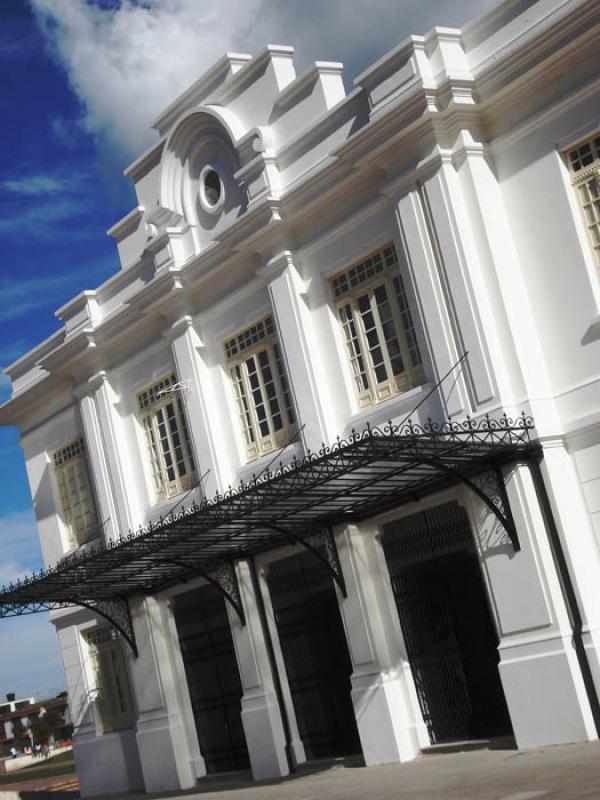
552, 773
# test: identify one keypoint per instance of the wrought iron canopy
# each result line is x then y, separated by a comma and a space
372, 471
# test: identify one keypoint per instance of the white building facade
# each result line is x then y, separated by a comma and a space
304, 262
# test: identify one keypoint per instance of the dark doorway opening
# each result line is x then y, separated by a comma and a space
448, 630
213, 678
315, 653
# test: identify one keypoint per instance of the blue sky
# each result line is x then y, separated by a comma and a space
81, 81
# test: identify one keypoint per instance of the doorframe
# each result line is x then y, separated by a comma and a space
168, 597
458, 494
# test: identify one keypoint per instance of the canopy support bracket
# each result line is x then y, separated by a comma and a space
224, 577
321, 544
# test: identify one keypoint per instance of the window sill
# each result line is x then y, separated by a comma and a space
393, 408
592, 333
175, 502
246, 472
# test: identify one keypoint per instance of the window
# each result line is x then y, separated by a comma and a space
75, 492
167, 438
584, 166
113, 691
262, 392
378, 328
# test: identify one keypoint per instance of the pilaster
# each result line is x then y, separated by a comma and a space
261, 716
539, 669
99, 468
168, 748
116, 456
299, 350
424, 269
209, 451
578, 542
382, 691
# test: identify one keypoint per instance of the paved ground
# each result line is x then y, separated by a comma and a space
552, 773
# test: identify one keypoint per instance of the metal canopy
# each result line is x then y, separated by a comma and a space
372, 471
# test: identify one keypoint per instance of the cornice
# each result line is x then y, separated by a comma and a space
146, 161
305, 81
562, 28
247, 74
126, 224
227, 66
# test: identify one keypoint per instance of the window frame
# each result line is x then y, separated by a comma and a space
240, 348
107, 660
73, 456
380, 267
581, 175
153, 402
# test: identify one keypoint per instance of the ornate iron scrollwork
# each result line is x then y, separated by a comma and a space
117, 612
225, 578
324, 542
490, 487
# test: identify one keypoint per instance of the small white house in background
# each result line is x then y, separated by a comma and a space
303, 261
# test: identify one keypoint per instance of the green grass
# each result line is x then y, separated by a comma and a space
61, 764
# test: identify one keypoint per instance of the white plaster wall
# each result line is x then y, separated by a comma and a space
561, 282
587, 463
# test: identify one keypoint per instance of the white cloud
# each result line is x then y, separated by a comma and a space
66, 131
128, 61
34, 185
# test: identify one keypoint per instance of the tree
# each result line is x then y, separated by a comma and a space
45, 727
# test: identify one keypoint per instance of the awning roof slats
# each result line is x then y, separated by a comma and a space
373, 470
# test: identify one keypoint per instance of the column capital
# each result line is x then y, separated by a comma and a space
276, 265
97, 380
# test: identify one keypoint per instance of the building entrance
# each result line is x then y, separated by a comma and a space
446, 622
315, 653
213, 678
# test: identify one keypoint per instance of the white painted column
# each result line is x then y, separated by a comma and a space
98, 463
296, 743
116, 455
301, 352
210, 452
168, 747
419, 251
540, 674
382, 691
261, 716
578, 541
464, 287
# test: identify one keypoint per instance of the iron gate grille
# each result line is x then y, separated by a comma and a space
315, 653
213, 678
446, 622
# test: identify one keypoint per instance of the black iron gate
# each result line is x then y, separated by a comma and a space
316, 655
213, 678
446, 622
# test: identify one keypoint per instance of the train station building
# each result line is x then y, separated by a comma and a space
317, 471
